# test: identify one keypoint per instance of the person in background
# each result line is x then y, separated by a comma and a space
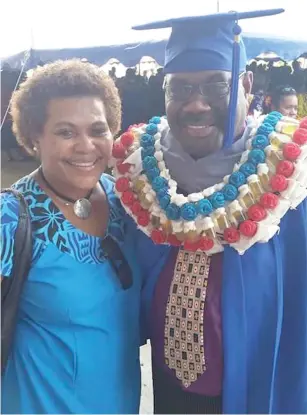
112, 73
9, 145
256, 105
76, 346
285, 101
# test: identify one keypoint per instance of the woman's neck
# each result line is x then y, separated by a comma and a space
60, 187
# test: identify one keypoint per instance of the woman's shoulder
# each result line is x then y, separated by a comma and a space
25, 185
108, 180
117, 214
10, 207
9, 201
108, 183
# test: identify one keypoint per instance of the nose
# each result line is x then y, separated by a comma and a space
197, 104
85, 144
293, 113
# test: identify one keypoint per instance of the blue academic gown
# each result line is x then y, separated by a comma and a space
264, 313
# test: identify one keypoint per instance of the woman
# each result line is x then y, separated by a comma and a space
285, 101
76, 348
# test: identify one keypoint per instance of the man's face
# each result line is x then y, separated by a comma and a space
197, 108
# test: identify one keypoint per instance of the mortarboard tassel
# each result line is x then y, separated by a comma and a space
232, 109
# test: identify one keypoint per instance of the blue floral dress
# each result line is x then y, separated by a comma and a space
76, 347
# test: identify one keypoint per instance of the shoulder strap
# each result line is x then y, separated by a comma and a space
11, 287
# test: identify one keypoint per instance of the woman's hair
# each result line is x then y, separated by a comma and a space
280, 92
60, 79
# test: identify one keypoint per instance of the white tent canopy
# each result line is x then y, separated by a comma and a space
58, 24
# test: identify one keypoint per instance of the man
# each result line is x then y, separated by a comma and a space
228, 331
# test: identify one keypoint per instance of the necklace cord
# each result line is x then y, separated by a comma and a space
59, 195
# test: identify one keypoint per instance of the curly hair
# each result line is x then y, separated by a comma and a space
60, 79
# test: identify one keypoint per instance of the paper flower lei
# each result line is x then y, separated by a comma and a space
245, 208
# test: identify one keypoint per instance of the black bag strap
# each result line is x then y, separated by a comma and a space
11, 288
118, 261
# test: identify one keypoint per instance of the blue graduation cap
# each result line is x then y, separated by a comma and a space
211, 42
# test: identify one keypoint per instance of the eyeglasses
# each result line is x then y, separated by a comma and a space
213, 92
113, 253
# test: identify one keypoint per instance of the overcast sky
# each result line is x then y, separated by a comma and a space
64, 23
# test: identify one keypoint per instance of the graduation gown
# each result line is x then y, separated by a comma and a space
264, 314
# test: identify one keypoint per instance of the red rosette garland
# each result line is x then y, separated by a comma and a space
127, 198
231, 235
122, 184
291, 151
127, 139
256, 212
205, 243
158, 236
300, 135
269, 200
278, 183
173, 240
136, 208
123, 168
118, 150
285, 168
248, 228
190, 246
143, 218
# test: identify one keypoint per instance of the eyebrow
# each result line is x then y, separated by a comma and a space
70, 124
100, 124
218, 77
64, 124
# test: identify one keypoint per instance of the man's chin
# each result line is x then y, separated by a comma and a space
200, 146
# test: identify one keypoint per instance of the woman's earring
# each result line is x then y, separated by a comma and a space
35, 149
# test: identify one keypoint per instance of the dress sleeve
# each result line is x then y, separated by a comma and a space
9, 220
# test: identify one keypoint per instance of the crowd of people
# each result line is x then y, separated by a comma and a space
143, 95
270, 75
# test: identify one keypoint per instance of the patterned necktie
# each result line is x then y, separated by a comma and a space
184, 319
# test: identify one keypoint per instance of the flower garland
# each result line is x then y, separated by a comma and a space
245, 208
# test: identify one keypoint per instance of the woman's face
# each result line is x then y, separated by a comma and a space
288, 106
76, 143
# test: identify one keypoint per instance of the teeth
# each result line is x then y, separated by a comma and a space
83, 164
